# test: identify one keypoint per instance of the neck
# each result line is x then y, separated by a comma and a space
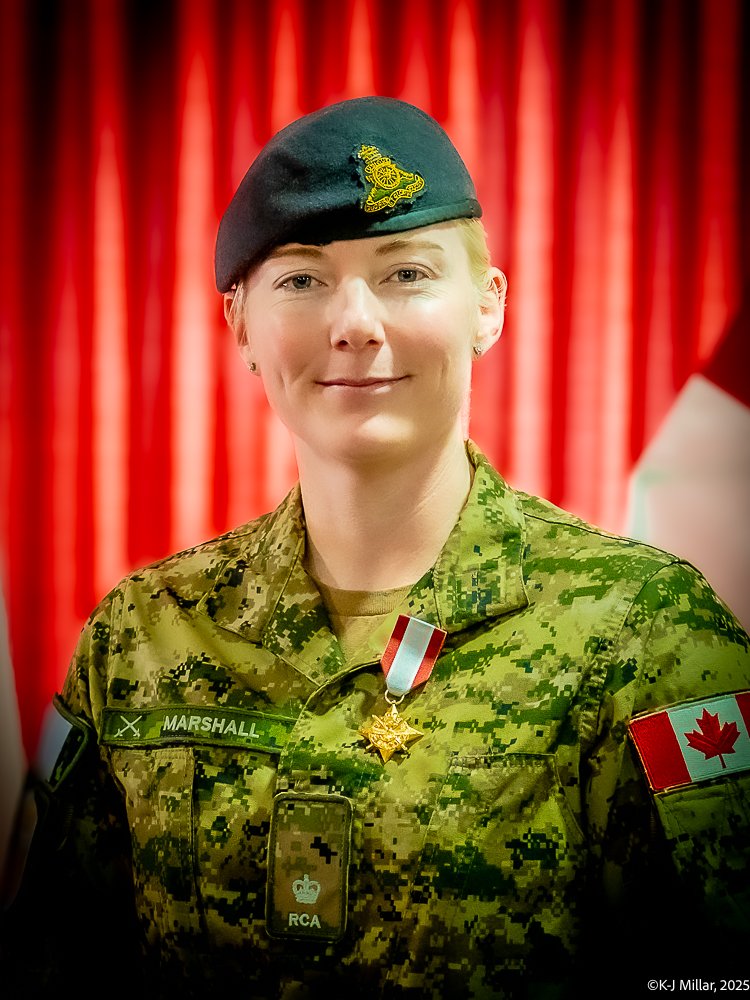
378, 526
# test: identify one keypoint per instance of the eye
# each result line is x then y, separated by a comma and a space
299, 282
408, 275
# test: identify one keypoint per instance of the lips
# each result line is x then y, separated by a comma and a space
362, 383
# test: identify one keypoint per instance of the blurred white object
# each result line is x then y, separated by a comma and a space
690, 491
12, 760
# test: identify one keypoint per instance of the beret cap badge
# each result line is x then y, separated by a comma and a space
389, 182
353, 170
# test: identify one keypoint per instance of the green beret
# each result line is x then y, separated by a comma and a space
361, 168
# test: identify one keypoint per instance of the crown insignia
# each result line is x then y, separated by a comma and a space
389, 182
305, 891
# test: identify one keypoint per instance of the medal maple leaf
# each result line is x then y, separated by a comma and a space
713, 740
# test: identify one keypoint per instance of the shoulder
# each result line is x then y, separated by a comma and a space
167, 605
564, 555
656, 579
557, 534
271, 538
656, 586
553, 537
607, 579
155, 594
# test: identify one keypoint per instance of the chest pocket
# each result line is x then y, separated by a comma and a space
500, 820
158, 785
503, 852
199, 818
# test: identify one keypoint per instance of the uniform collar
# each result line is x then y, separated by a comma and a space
265, 594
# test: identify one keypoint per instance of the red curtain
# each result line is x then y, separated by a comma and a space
605, 140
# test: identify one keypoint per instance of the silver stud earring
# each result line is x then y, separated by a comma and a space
478, 350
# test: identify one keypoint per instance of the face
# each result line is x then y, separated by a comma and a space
365, 346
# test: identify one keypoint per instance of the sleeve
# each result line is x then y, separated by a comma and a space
672, 864
74, 917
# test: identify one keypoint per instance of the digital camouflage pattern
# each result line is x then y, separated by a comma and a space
485, 862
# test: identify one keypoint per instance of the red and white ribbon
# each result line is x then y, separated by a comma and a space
410, 654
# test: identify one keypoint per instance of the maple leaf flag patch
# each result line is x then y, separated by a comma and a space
694, 741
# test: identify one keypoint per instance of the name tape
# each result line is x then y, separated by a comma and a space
195, 724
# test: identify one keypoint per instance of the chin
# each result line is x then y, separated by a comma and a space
374, 441
370, 448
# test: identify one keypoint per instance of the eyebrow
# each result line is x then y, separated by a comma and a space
301, 251
396, 246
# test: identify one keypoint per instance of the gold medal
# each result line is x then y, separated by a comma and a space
389, 733
407, 662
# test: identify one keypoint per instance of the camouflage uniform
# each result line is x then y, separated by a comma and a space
486, 861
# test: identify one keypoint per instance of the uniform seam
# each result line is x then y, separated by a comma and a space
616, 639
263, 632
663, 557
118, 609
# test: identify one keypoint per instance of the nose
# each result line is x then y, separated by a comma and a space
355, 316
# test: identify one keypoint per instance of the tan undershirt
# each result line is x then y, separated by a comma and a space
355, 614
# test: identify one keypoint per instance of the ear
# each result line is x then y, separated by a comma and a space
492, 311
228, 303
239, 329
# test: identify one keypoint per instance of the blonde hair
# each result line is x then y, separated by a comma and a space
236, 311
474, 238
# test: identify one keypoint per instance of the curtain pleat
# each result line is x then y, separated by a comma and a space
607, 146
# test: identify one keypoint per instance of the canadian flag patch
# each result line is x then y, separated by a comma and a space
410, 654
694, 741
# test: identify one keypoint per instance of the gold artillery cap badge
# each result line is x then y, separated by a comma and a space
389, 182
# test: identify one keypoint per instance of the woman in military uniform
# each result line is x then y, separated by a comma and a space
396, 736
